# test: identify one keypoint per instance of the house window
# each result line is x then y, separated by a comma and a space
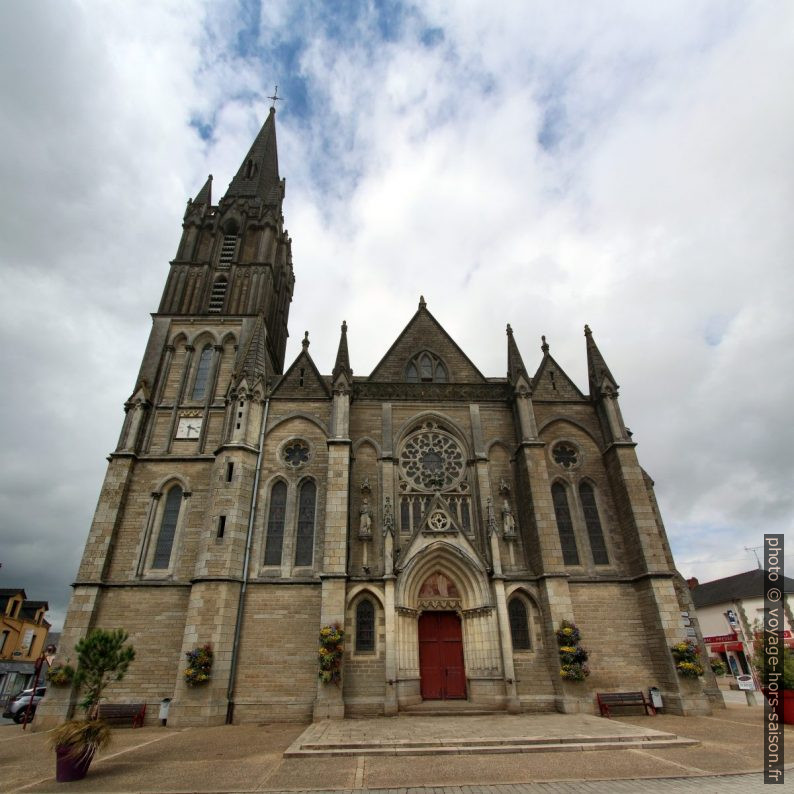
519, 625
593, 523
365, 626
275, 524
202, 373
562, 512
426, 367
304, 545
165, 539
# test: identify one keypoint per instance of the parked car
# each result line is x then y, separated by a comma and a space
17, 705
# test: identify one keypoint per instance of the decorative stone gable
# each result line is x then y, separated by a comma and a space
425, 333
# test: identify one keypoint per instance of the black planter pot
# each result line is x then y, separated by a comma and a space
69, 768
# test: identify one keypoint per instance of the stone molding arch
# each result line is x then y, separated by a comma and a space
166, 482
298, 415
569, 421
501, 443
360, 591
367, 440
447, 424
468, 573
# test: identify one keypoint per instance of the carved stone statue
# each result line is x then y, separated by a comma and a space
508, 522
365, 520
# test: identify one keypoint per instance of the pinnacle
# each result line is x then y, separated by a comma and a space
342, 364
597, 369
515, 364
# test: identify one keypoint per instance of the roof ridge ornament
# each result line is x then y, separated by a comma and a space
545, 345
422, 302
305, 342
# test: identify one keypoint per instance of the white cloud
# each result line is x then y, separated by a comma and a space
657, 210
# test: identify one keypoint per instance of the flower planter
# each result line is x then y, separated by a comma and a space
68, 767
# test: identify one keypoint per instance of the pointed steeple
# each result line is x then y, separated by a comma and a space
515, 364
342, 365
204, 195
253, 363
258, 174
597, 370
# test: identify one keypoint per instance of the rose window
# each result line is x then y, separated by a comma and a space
432, 460
566, 455
296, 453
438, 520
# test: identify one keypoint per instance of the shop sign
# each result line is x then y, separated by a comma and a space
721, 638
745, 682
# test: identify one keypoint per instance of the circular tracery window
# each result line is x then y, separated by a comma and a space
296, 453
432, 460
565, 454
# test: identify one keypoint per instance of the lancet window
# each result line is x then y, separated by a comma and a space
426, 367
365, 626
304, 542
593, 522
275, 524
165, 538
562, 512
202, 373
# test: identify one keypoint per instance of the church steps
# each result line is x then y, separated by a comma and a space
491, 746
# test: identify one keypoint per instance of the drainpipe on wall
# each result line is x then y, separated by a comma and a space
239, 622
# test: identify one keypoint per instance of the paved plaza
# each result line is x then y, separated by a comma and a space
248, 758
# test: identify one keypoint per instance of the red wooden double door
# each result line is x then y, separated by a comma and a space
441, 656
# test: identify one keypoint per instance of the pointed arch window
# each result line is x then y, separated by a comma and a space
218, 295
202, 373
165, 538
275, 524
592, 520
365, 626
562, 513
426, 367
519, 624
304, 542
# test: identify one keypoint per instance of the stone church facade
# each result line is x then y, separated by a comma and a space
447, 521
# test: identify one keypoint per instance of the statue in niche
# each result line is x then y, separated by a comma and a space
365, 520
508, 521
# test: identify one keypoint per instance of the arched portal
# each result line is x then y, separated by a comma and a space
447, 626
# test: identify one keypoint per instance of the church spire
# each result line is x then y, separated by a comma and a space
515, 364
597, 370
342, 365
253, 364
204, 195
258, 176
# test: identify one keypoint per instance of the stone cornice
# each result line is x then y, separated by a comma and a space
441, 392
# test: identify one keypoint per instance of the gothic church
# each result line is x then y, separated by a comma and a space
448, 521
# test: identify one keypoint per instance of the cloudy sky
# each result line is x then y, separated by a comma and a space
626, 165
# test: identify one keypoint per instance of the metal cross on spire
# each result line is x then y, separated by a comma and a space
276, 97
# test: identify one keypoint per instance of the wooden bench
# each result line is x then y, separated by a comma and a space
122, 713
612, 699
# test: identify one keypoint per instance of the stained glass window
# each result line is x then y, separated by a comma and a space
365, 626
519, 624
304, 546
275, 524
566, 455
593, 522
202, 373
562, 511
165, 540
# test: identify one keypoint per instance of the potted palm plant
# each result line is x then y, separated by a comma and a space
102, 657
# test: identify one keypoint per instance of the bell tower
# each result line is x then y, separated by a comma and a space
235, 258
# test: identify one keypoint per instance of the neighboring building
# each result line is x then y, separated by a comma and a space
23, 638
731, 611
447, 520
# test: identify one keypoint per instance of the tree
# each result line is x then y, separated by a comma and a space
102, 657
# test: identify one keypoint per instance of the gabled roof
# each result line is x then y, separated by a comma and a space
424, 332
551, 382
749, 584
302, 379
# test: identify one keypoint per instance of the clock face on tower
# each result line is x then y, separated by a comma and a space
189, 427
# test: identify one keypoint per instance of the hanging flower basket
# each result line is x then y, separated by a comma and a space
199, 665
61, 675
573, 658
686, 659
330, 653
